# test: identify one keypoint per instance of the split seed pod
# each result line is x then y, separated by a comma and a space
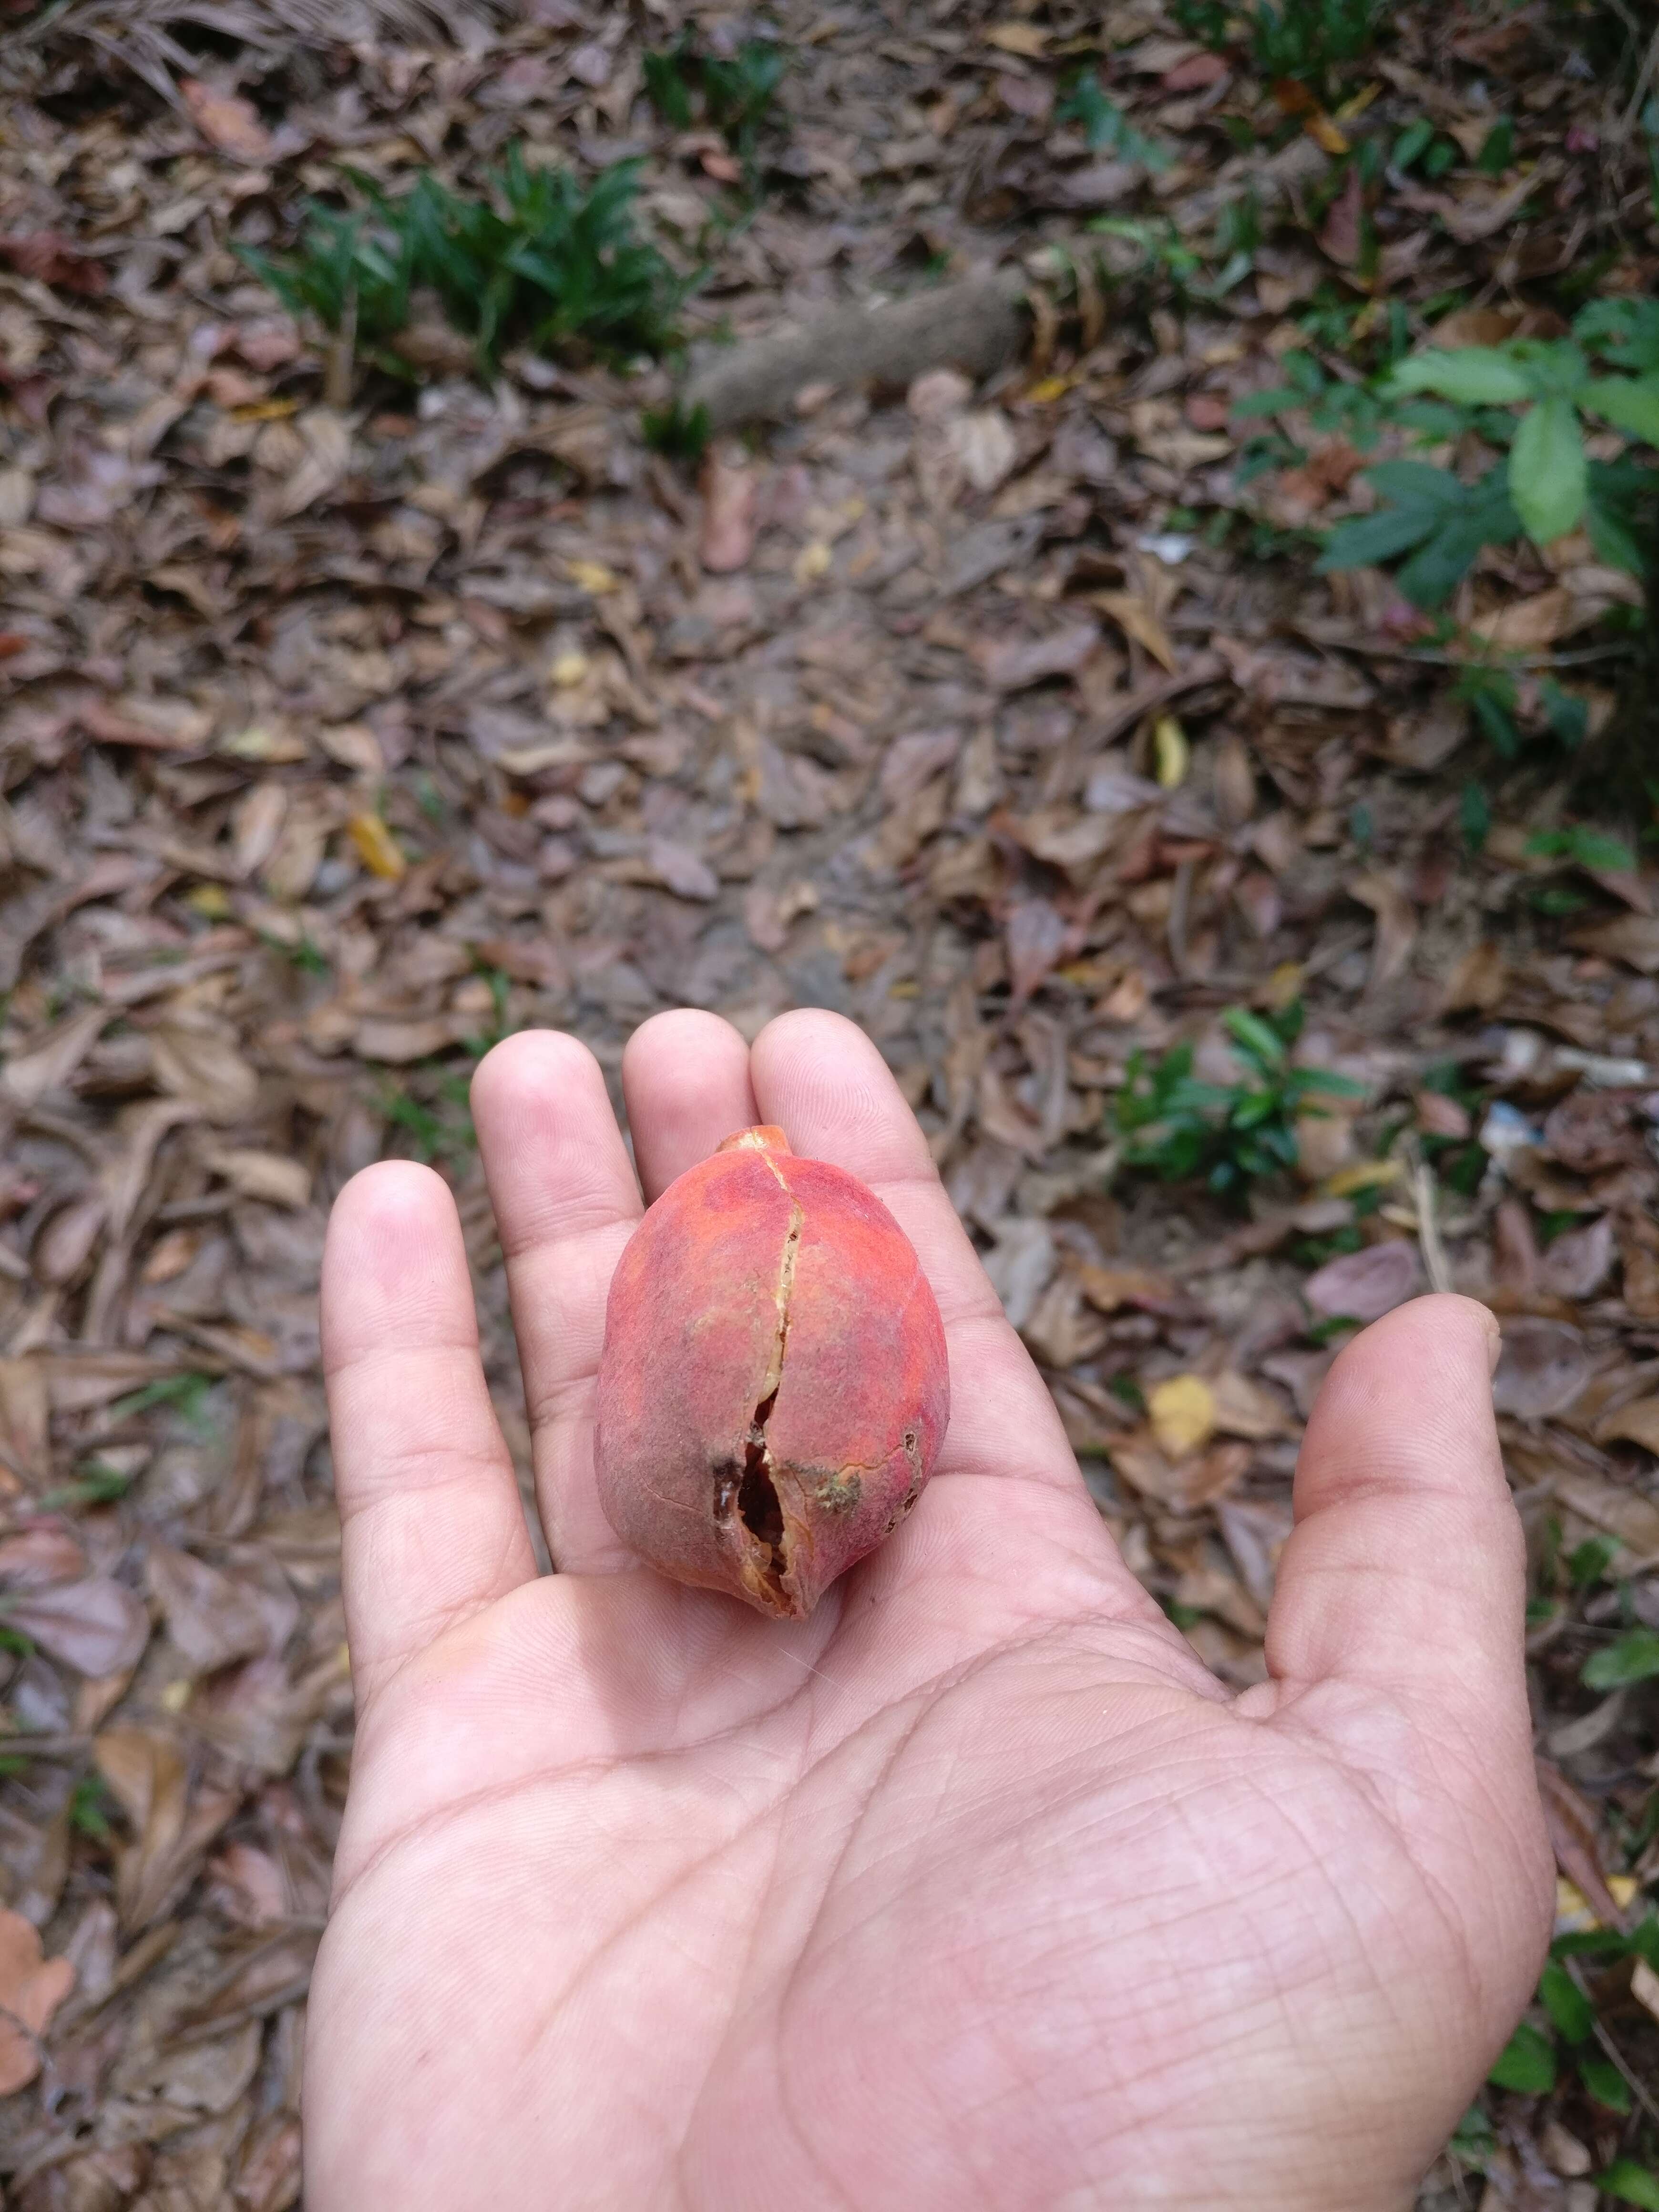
773, 1388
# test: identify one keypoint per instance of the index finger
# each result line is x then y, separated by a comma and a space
821, 1079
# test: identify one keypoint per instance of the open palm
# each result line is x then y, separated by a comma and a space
974, 1890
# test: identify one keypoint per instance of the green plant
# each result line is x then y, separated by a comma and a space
1153, 249
89, 1807
1314, 43
541, 258
736, 95
1104, 124
1179, 1127
1547, 486
1532, 2060
439, 1128
188, 1393
1631, 1657
680, 432
349, 274
1419, 143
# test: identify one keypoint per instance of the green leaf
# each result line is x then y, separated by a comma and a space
1370, 538
1249, 1031
1582, 847
1604, 2081
1630, 2184
1566, 2004
1415, 483
1549, 476
1630, 403
1631, 1657
1475, 376
1527, 2063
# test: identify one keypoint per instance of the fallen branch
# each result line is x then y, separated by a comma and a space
978, 325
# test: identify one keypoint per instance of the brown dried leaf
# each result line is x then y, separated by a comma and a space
202, 1065
731, 492
1542, 1368
1578, 1264
1364, 1284
49, 1065
229, 122
148, 1773
1638, 1424
31, 1987
272, 1176
96, 1625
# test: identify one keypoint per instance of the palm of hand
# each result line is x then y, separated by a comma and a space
974, 1889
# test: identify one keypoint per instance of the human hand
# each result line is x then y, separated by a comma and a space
975, 1889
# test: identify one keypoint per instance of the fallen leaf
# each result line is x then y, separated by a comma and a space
378, 849
1030, 39
51, 258
95, 1625
273, 1177
204, 1067
1637, 1424
1185, 1485
31, 1987
1633, 939
1396, 923
1364, 1284
1244, 1408
148, 1773
1171, 751
1541, 1369
1181, 1411
730, 500
1576, 1264
214, 1619
229, 122
1110, 1289
48, 1066
1010, 663
325, 457
1525, 625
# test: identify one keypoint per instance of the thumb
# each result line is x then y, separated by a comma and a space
1405, 1574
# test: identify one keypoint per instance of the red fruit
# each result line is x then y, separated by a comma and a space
773, 1387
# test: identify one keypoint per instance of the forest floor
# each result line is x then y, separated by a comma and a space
349, 723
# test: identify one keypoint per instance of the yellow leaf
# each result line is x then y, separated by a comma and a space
593, 576
812, 561
211, 901
1363, 1174
1361, 101
377, 849
568, 668
1283, 986
264, 741
265, 410
1171, 751
1028, 38
1324, 133
1183, 1414
1049, 388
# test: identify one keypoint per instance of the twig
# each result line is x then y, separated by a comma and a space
1428, 1222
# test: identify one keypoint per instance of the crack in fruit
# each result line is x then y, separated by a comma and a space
759, 1507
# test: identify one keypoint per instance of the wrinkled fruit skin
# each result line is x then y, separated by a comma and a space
773, 1390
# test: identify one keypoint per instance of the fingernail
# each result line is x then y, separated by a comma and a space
1494, 1343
